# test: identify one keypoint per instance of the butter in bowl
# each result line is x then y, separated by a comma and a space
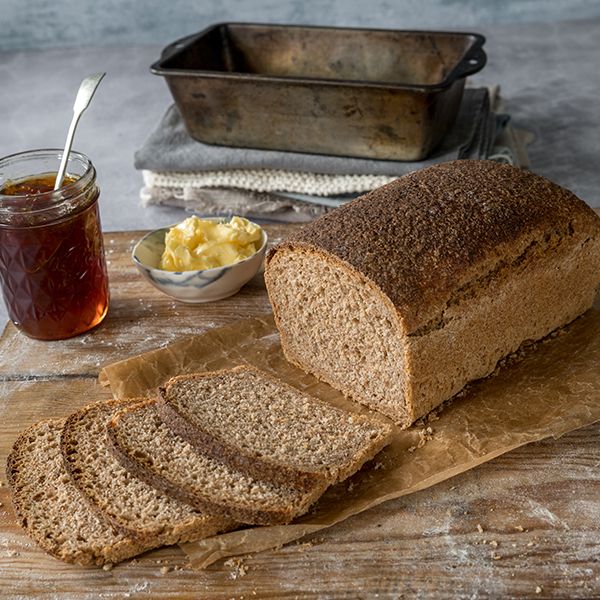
201, 260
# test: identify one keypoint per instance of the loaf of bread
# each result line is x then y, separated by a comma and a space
402, 297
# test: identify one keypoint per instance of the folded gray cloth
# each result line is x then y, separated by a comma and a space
170, 148
228, 202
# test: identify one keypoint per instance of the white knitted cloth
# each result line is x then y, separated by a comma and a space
269, 180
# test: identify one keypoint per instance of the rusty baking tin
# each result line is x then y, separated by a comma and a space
352, 92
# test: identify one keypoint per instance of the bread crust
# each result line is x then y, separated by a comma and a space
426, 235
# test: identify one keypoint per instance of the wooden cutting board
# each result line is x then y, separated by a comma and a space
526, 524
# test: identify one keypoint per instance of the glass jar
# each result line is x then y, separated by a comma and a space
52, 267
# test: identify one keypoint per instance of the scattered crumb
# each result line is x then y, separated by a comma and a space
1, 483
453, 487
310, 543
303, 545
378, 465
434, 415
1, 504
538, 589
166, 569
530, 544
495, 556
351, 486
479, 528
425, 435
519, 528
107, 567
494, 543
239, 568
13, 553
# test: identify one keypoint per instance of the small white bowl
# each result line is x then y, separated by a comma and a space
194, 287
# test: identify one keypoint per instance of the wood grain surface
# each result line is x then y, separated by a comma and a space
524, 525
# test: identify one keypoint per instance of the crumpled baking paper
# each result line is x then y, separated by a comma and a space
551, 389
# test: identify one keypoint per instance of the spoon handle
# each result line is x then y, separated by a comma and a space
82, 101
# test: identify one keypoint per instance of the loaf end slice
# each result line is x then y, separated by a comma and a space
153, 452
264, 427
52, 510
132, 506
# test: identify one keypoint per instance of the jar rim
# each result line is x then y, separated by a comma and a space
57, 197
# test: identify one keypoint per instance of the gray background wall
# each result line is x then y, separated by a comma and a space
26, 24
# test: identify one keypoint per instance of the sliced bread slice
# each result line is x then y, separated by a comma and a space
269, 429
134, 507
150, 450
52, 510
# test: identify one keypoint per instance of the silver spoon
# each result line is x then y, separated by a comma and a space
82, 101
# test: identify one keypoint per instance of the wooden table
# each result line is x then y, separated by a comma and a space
524, 525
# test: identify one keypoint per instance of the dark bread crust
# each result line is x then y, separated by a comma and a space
274, 516
426, 235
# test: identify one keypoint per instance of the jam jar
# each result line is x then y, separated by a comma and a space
52, 267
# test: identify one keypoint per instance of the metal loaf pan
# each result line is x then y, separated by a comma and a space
352, 92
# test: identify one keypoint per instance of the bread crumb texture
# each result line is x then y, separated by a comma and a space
268, 428
131, 504
52, 510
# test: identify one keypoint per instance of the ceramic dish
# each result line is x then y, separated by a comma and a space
194, 286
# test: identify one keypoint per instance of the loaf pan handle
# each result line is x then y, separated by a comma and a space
176, 45
473, 62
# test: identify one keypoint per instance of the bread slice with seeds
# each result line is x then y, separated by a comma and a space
132, 506
52, 510
269, 429
151, 451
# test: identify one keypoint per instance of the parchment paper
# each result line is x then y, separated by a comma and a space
551, 390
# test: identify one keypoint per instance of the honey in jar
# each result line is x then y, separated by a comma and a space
52, 266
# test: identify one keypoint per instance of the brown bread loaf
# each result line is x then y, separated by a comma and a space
403, 296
